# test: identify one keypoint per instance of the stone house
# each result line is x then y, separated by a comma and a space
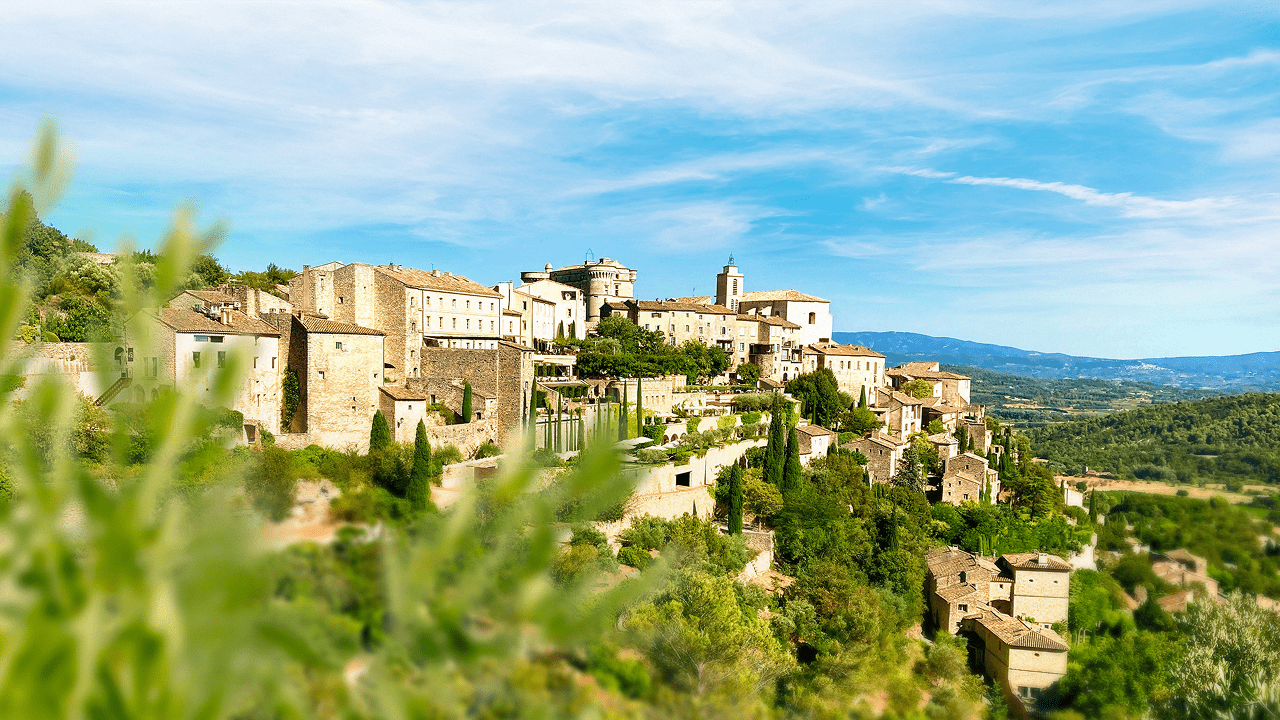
680, 322
857, 369
1005, 610
254, 301
600, 281
570, 315
501, 380
883, 454
964, 478
945, 444
339, 368
185, 345
900, 413
935, 408
770, 343
512, 328
815, 442
953, 388
1182, 569
411, 307
811, 314
404, 409
537, 320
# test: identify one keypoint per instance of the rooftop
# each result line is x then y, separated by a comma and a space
676, 306
813, 430
1035, 561
326, 326
838, 349
395, 392
186, 320
436, 280
1018, 633
770, 320
793, 295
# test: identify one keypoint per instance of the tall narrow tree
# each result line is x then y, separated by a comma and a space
735, 500
962, 437
639, 407
775, 451
791, 472
379, 433
419, 493
466, 403
622, 414
582, 432
559, 423
863, 401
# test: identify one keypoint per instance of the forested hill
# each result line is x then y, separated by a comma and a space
1239, 373
1225, 439
1029, 400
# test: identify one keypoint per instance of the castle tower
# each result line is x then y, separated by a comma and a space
730, 285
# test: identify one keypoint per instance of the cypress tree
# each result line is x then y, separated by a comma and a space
962, 437
735, 500
775, 451
582, 432
863, 401
622, 414
419, 492
639, 407
379, 434
559, 423
466, 403
791, 472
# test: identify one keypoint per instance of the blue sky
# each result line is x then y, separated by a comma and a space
1095, 178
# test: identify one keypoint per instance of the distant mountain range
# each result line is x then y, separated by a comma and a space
1254, 371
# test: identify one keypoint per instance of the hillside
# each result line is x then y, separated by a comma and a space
1227, 439
1029, 400
1238, 373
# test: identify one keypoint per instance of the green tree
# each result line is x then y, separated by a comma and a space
379, 433
748, 373
862, 402
467, 414
918, 388
911, 471
419, 492
291, 398
819, 394
792, 472
735, 499
622, 414
859, 420
775, 455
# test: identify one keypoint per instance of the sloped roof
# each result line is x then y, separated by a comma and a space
509, 311
436, 280
213, 297
838, 349
813, 430
917, 371
396, 392
693, 300
952, 593
676, 306
326, 326
891, 394
947, 561
793, 295
770, 320
1027, 561
1019, 633
186, 320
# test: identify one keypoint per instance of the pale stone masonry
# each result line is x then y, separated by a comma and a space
900, 413
601, 281
858, 370
964, 479
811, 314
501, 380
185, 345
680, 322
771, 343
1005, 609
953, 388
815, 442
883, 453
570, 314
404, 409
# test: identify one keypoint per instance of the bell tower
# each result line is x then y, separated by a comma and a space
730, 286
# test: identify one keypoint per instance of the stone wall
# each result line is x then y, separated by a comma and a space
658, 494
504, 374
338, 408
78, 364
466, 436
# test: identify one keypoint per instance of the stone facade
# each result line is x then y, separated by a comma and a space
680, 322
965, 477
815, 441
858, 370
771, 343
669, 491
900, 413
1005, 609
570, 314
811, 314
730, 286
953, 388
87, 367
883, 454
253, 301
601, 281
504, 374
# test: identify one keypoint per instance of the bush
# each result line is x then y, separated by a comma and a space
753, 402
635, 557
49, 337
488, 449
446, 455
652, 456
726, 422
691, 425
368, 504
751, 418
273, 484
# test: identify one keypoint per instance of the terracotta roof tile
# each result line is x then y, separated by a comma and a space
1027, 561
326, 326
838, 349
397, 392
185, 320
770, 320
794, 295
436, 280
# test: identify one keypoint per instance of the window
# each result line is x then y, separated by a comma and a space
340, 299
962, 607
455, 323
735, 287
119, 356
428, 301
222, 358
468, 323
413, 326
570, 312
454, 303
273, 363
321, 374
195, 359
686, 328
468, 304
742, 347
813, 318
490, 326
255, 362
646, 326
199, 338
683, 479
524, 304
490, 307
215, 338
337, 346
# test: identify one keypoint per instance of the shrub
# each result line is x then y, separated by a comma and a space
49, 337
446, 455
753, 402
726, 422
691, 425
635, 557
645, 533
652, 456
488, 449
368, 504
587, 535
751, 418
273, 484
653, 432
630, 677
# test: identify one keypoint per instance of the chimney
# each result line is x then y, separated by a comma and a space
1042, 558
225, 316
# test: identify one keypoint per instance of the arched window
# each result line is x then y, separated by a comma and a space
119, 356
813, 318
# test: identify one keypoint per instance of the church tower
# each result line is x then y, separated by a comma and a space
729, 286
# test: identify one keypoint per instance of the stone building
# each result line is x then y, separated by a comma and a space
601, 281
183, 346
858, 370
570, 314
812, 314
404, 409
883, 453
411, 307
1182, 569
730, 286
340, 375
901, 413
1005, 609
254, 301
953, 388
501, 380
770, 343
965, 478
815, 442
680, 322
